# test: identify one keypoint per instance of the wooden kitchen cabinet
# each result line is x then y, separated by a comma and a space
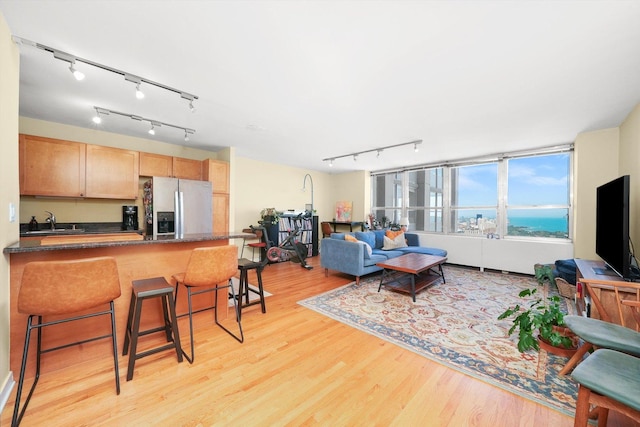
51, 167
112, 173
217, 172
220, 213
156, 165
187, 168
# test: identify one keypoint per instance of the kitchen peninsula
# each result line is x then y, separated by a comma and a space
137, 256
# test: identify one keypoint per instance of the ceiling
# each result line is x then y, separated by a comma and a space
297, 82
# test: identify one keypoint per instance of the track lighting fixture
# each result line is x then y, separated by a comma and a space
72, 59
377, 150
153, 123
189, 98
79, 75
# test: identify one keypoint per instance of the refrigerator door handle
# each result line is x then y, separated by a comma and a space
181, 210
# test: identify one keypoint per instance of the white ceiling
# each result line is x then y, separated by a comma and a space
295, 82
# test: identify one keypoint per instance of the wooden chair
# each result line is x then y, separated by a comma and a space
608, 380
611, 332
210, 270
326, 229
58, 290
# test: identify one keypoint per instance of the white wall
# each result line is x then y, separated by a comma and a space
9, 83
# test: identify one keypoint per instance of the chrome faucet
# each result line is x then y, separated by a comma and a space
51, 220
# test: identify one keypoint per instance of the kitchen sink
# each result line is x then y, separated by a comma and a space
58, 231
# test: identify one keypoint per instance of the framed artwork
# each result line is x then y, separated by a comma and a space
343, 211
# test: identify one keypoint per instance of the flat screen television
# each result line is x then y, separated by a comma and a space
612, 226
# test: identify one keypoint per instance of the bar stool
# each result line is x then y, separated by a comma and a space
142, 290
60, 288
244, 265
210, 269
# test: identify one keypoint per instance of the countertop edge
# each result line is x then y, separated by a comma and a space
35, 246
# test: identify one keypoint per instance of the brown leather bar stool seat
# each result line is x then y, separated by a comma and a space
210, 270
245, 265
61, 292
142, 290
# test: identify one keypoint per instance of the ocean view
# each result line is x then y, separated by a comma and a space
540, 223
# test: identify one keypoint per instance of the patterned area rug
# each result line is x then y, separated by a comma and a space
456, 324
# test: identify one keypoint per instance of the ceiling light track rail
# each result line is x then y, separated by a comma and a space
72, 59
373, 150
152, 122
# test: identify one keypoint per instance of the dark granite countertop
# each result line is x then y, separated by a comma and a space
34, 245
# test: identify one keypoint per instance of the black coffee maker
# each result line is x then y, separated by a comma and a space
130, 218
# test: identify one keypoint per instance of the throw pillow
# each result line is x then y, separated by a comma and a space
367, 249
393, 234
350, 238
366, 236
397, 242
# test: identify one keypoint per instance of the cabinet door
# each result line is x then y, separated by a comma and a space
217, 172
220, 213
156, 165
51, 167
112, 173
187, 168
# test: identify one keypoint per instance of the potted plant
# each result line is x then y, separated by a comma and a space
540, 322
269, 216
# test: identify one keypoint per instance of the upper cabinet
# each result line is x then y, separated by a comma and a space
187, 168
51, 167
156, 165
112, 173
217, 172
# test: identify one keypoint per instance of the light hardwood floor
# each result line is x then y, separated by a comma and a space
296, 367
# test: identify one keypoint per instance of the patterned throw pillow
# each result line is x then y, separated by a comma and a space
397, 242
350, 238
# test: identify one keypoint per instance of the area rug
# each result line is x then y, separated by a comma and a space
456, 324
252, 295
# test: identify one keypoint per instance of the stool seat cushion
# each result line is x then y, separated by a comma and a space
612, 374
62, 287
248, 264
605, 334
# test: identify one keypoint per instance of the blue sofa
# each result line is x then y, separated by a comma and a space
353, 258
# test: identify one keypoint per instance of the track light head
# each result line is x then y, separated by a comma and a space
152, 131
330, 163
186, 136
415, 147
96, 119
79, 75
355, 157
139, 93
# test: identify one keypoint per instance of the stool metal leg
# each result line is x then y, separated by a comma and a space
134, 337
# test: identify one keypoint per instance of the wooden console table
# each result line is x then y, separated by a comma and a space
598, 295
351, 224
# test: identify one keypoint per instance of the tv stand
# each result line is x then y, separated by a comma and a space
596, 293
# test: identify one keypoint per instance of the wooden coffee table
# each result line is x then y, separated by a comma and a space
419, 272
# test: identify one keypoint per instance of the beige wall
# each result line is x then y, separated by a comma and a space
595, 162
629, 160
9, 83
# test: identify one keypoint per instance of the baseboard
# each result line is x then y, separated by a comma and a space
6, 391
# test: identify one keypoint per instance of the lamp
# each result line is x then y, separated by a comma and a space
304, 183
72, 59
377, 150
404, 222
154, 123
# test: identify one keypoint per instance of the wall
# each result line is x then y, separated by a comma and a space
92, 210
629, 160
354, 187
595, 162
9, 83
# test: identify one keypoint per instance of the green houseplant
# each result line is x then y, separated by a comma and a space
540, 319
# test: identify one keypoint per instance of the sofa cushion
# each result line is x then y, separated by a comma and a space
379, 238
367, 237
388, 254
367, 248
374, 260
395, 243
422, 250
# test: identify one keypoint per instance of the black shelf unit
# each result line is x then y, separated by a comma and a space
309, 231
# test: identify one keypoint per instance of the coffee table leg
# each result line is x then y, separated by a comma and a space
384, 270
442, 274
413, 287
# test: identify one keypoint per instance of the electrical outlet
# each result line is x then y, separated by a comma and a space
12, 212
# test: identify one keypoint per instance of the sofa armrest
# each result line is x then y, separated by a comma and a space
341, 255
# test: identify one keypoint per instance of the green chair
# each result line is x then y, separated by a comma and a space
608, 380
600, 334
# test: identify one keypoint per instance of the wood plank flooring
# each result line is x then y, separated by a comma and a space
295, 368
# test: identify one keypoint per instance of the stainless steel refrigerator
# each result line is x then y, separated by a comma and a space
178, 207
